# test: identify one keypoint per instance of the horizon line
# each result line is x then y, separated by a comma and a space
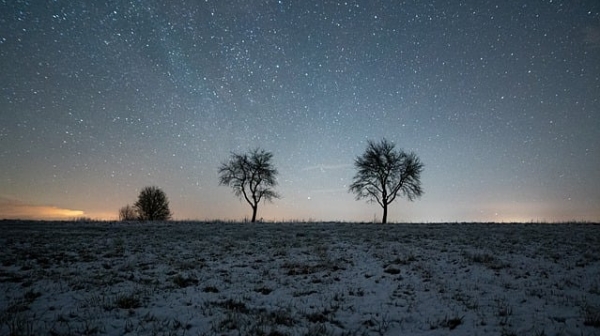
226, 221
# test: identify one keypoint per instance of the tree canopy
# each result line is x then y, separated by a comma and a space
384, 173
252, 177
152, 204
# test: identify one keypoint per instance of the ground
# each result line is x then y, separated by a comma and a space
86, 278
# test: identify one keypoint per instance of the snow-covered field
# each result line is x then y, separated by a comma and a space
299, 279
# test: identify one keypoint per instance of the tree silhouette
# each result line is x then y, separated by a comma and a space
251, 176
384, 173
127, 213
152, 204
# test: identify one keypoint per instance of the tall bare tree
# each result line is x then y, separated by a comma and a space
251, 176
384, 173
153, 204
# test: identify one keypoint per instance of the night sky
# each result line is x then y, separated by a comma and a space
499, 99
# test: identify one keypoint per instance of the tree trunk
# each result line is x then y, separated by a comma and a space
384, 218
254, 210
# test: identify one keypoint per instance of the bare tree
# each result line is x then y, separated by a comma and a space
384, 173
251, 176
153, 204
127, 213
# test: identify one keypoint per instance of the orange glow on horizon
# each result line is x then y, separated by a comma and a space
13, 209
54, 212
524, 212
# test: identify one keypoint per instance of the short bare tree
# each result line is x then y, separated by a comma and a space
127, 213
384, 173
251, 176
153, 204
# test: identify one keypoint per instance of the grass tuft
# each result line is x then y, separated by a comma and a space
182, 282
591, 316
128, 301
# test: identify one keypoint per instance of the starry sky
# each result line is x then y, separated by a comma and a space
499, 99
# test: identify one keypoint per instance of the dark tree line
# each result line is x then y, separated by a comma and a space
383, 173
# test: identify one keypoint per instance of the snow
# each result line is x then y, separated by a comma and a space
177, 278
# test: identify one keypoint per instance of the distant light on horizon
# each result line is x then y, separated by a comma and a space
11, 209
